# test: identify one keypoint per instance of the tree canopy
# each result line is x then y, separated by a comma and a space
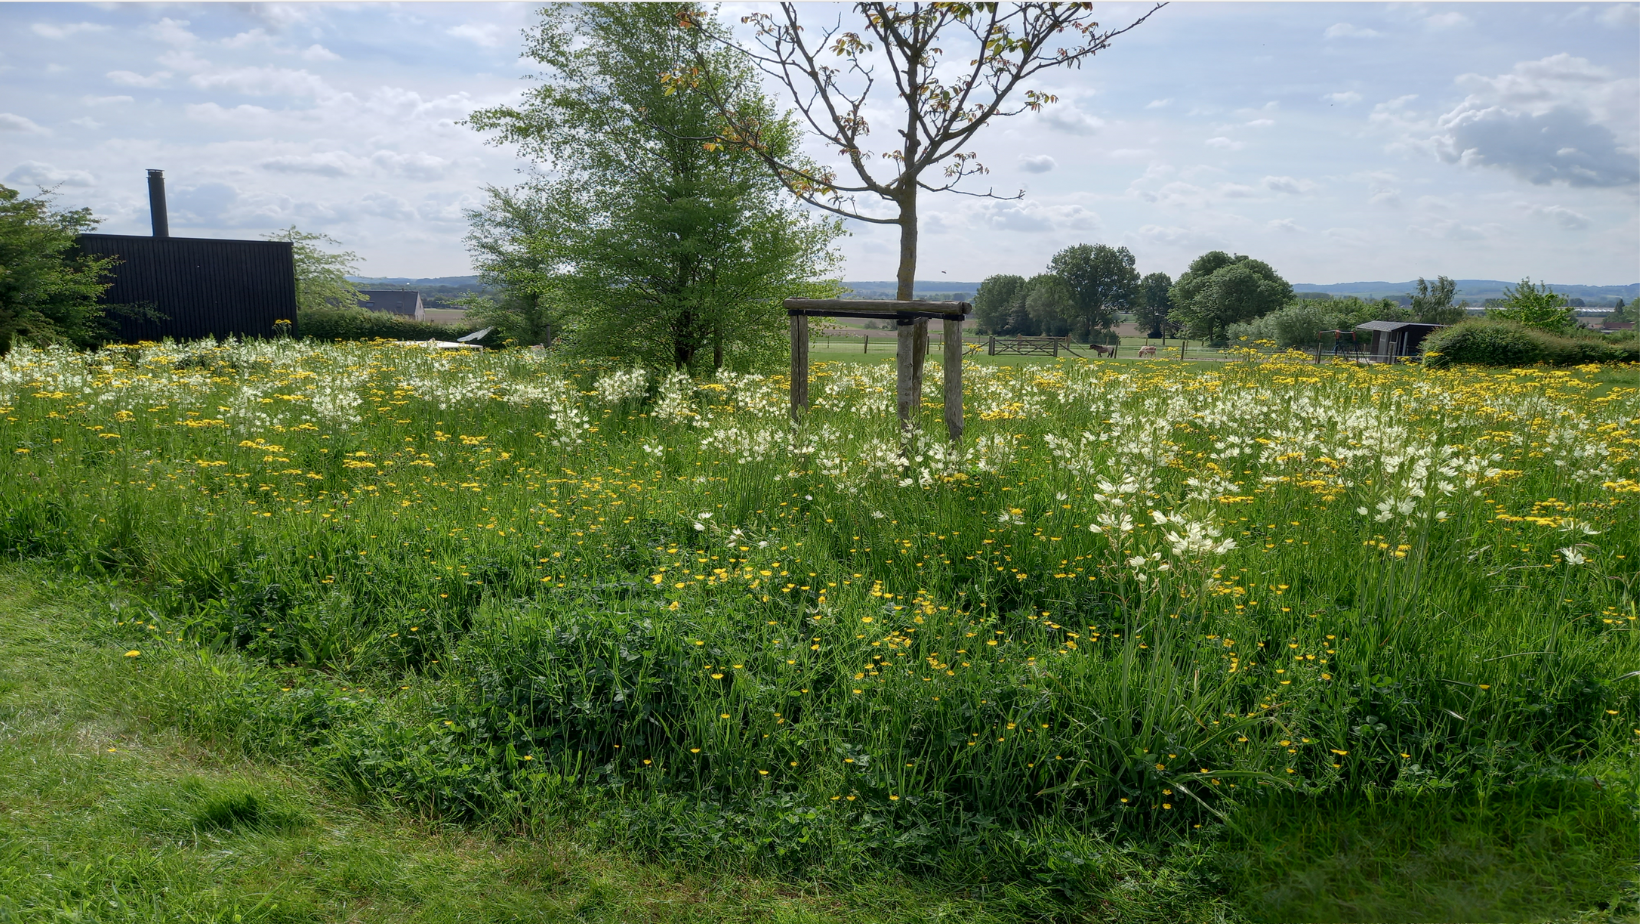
1100, 281
49, 289
1432, 304
1154, 304
656, 247
1534, 306
321, 276
1220, 289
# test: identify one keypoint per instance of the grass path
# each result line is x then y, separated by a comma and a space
106, 818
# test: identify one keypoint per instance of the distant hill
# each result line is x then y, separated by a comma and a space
1473, 289
456, 282
933, 290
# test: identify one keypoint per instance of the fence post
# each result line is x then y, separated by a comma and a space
800, 366
865, 343
953, 379
1181, 350
991, 348
905, 403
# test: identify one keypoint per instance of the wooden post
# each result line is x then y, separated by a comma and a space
953, 379
800, 366
865, 343
991, 348
919, 361
905, 400
1181, 350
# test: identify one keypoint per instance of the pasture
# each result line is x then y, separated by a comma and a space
1142, 603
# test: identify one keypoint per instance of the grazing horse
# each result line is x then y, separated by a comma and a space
1103, 350
1146, 351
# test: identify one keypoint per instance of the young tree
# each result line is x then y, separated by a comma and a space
662, 249
1219, 290
505, 242
1534, 306
1623, 312
321, 276
49, 290
835, 75
994, 302
1433, 303
1101, 281
1151, 313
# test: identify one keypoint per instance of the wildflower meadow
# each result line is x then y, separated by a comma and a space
1137, 599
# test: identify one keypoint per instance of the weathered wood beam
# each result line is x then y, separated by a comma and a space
953, 379
884, 307
800, 367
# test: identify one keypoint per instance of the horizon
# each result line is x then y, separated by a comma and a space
1333, 141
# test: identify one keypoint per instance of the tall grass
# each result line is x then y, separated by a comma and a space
500, 587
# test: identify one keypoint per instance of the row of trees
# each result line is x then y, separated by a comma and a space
1086, 288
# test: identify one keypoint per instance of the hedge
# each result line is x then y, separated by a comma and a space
358, 324
1506, 343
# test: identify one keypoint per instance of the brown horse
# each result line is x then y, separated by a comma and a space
1103, 350
1147, 351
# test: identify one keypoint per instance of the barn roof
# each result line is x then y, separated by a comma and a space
393, 301
1395, 325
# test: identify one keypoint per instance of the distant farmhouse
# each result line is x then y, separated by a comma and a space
387, 301
189, 288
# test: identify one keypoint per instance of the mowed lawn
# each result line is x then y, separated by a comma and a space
1158, 641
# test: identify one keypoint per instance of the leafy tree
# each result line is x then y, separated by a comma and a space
1153, 305
1534, 306
1101, 281
49, 290
1219, 290
321, 276
1050, 304
1433, 303
661, 249
504, 240
1623, 312
994, 302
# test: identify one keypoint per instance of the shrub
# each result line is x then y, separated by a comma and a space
358, 324
1507, 343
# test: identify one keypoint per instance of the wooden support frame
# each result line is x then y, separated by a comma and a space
910, 318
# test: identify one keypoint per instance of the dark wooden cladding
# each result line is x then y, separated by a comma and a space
204, 287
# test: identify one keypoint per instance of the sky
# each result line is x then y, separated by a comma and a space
1337, 142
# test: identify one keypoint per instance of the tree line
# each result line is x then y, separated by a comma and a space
1088, 288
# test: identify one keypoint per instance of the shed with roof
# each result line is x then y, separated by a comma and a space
393, 301
1391, 340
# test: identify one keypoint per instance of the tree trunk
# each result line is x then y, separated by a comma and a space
905, 290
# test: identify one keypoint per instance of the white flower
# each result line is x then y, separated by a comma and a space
1573, 556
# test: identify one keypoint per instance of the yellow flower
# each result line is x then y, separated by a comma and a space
133, 653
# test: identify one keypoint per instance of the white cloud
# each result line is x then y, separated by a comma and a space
66, 30
106, 100
1385, 196
171, 32
1448, 20
254, 38
1449, 230
1288, 185
264, 81
35, 173
86, 122
11, 122
1031, 216
1036, 163
1346, 98
1560, 215
1131, 154
134, 79
1285, 224
1261, 123
1345, 30
1224, 144
317, 52
1559, 119
1071, 120
1180, 238
324, 163
1237, 191
484, 34
1159, 103
1623, 15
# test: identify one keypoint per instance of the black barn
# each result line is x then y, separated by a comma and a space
202, 287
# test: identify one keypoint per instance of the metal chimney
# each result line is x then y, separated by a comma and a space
156, 203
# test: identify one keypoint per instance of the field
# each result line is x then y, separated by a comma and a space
1152, 635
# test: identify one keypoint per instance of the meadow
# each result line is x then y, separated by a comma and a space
1056, 663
